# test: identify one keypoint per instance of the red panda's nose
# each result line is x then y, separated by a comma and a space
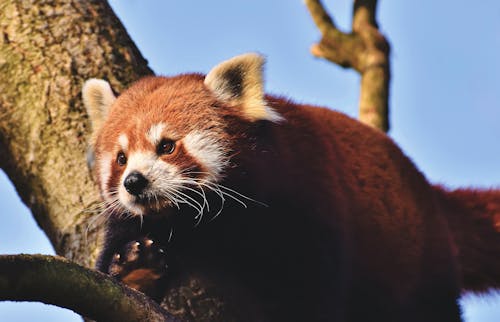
135, 183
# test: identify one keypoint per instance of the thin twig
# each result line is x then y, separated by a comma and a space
364, 12
321, 18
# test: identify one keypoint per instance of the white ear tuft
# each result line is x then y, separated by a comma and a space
238, 82
97, 98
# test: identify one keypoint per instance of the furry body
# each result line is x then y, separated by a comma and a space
313, 215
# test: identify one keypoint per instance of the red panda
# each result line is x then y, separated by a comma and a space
313, 215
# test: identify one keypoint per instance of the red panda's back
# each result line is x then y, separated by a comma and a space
386, 204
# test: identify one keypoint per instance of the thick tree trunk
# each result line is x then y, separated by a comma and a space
47, 50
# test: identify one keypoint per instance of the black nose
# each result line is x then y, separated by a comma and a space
135, 183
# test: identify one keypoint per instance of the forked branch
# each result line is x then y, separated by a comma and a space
364, 49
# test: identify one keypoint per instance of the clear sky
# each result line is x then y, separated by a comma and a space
445, 94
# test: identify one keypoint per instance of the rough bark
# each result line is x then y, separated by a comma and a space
364, 49
55, 280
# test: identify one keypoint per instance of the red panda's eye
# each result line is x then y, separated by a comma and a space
121, 159
165, 147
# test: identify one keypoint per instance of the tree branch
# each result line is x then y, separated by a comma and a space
365, 49
364, 13
321, 18
55, 280
335, 45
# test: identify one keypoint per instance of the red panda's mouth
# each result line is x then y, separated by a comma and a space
145, 205
141, 200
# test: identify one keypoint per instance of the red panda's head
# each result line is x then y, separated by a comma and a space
164, 139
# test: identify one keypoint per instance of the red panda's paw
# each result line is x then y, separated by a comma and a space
140, 264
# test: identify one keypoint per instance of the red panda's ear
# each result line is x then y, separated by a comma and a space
97, 98
238, 82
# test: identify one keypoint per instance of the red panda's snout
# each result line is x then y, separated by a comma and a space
145, 183
135, 183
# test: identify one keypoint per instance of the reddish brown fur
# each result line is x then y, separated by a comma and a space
142, 279
474, 218
359, 228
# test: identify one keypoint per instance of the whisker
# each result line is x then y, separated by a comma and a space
181, 197
171, 234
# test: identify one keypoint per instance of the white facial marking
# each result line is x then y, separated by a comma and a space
105, 173
156, 171
139, 161
123, 141
154, 134
208, 150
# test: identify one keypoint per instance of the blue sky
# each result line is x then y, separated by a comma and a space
445, 95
